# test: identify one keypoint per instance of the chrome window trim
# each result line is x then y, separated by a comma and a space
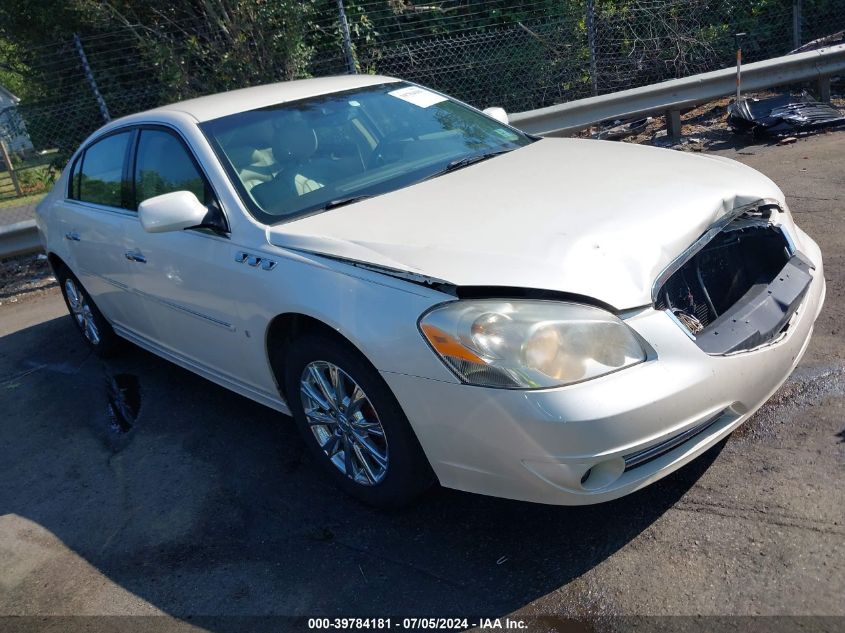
133, 215
138, 126
103, 208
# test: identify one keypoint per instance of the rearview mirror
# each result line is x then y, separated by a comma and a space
172, 211
497, 113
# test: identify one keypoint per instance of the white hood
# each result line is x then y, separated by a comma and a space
594, 218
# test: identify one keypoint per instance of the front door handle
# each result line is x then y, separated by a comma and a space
73, 236
136, 256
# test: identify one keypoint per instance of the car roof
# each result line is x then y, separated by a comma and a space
226, 103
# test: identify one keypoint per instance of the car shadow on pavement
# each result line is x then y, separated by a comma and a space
204, 504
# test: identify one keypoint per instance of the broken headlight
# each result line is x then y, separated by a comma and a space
525, 344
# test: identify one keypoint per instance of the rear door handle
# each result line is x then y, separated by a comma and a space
136, 256
73, 236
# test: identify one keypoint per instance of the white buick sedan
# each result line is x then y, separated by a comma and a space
433, 295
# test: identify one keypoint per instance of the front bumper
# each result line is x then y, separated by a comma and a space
569, 445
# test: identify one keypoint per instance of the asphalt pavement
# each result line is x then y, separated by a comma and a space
204, 503
15, 214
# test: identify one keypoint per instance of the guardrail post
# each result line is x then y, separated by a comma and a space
673, 124
823, 87
5, 155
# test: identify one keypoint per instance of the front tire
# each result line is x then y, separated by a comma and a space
352, 423
90, 322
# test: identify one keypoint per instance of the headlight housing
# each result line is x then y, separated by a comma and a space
529, 344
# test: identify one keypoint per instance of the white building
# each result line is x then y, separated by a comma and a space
12, 128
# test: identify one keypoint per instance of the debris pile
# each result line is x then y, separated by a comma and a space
781, 115
22, 275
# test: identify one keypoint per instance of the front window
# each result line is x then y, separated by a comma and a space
302, 157
163, 165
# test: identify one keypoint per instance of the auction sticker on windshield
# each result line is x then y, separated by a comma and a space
418, 96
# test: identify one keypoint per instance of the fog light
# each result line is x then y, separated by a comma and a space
603, 474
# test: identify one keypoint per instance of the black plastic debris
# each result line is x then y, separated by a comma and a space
124, 401
618, 130
828, 40
783, 114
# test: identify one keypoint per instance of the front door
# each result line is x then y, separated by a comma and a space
187, 280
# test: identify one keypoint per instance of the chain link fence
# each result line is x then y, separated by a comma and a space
518, 55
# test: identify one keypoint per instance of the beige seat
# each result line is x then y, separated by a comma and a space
297, 175
254, 166
249, 152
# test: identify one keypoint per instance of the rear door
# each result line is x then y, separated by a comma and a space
93, 219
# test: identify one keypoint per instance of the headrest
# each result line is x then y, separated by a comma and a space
257, 134
294, 139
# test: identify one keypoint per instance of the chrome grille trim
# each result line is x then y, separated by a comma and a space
653, 452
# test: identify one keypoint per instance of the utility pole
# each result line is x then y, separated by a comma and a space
796, 24
104, 111
347, 39
591, 44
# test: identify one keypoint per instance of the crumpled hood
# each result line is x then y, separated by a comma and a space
595, 218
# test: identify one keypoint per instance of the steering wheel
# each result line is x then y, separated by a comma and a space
388, 149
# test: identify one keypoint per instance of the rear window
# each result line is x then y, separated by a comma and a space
101, 177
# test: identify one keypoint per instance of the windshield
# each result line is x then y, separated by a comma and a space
306, 156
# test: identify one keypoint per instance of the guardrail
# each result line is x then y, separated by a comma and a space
670, 97
19, 238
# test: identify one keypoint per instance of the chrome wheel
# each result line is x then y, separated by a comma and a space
344, 422
81, 311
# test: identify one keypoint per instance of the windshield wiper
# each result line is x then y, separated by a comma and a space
452, 166
340, 202
466, 161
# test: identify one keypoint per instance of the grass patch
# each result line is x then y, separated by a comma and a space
9, 203
32, 180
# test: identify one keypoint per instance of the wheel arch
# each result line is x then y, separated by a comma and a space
286, 327
56, 262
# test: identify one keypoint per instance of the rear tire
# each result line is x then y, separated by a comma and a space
352, 423
96, 331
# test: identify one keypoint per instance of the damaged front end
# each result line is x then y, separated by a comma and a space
737, 287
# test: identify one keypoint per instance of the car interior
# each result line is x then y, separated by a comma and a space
294, 157
287, 156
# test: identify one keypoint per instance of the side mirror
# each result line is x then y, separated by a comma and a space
497, 113
172, 211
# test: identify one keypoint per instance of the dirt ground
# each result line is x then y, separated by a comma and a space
24, 275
